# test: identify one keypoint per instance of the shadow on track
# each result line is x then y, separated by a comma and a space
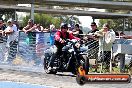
63, 74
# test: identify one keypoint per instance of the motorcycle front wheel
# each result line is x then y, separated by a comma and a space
46, 63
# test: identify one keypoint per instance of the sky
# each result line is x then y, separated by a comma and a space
86, 20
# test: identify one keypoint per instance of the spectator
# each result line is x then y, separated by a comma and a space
46, 29
39, 43
12, 40
39, 28
29, 26
29, 29
92, 41
39, 39
17, 24
69, 28
91, 38
122, 34
2, 28
116, 33
104, 48
52, 27
77, 31
2, 39
94, 28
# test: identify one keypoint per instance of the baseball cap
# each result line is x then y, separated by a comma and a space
93, 24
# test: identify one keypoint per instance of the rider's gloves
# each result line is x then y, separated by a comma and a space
62, 41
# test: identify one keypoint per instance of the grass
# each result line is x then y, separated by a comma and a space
115, 70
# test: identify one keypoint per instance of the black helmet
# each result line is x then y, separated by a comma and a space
65, 26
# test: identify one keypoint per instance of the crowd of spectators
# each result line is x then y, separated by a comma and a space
9, 36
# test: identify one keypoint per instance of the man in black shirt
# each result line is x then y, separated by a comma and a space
94, 28
77, 31
93, 43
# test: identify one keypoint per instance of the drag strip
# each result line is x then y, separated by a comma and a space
60, 80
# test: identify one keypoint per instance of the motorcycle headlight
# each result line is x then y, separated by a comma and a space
70, 50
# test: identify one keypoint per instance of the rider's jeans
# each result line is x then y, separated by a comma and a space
54, 55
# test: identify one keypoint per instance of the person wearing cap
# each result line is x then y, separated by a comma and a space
12, 40
77, 31
60, 37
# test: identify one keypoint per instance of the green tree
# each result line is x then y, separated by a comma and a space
117, 24
44, 19
68, 18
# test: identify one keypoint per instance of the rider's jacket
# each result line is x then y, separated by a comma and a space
59, 36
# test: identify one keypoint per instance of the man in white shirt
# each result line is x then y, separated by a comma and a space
12, 40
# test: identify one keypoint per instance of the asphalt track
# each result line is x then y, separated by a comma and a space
39, 77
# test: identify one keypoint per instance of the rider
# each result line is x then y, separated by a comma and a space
60, 37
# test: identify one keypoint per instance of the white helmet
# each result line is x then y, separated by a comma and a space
110, 37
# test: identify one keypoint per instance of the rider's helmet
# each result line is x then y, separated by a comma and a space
64, 26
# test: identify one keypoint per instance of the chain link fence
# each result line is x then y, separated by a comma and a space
28, 50
110, 57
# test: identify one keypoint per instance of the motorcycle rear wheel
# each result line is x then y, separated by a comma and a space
81, 80
86, 64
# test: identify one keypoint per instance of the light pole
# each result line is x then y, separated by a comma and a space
32, 10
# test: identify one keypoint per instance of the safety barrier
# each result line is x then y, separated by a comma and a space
28, 50
30, 47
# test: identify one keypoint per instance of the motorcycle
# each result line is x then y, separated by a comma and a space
73, 56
